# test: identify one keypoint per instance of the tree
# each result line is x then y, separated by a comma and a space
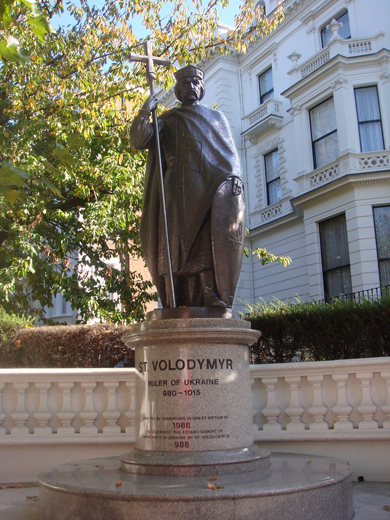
73, 188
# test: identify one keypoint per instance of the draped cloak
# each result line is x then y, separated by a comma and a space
198, 154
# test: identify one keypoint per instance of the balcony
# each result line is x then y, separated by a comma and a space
259, 120
344, 165
350, 48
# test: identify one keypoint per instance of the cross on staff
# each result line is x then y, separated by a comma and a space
150, 60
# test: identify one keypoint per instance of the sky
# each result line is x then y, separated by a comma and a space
225, 16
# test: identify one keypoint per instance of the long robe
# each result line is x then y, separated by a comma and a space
198, 154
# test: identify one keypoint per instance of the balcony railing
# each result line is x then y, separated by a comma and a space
348, 48
257, 121
344, 165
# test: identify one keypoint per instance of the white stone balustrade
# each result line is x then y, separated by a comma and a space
67, 405
257, 121
322, 400
337, 47
336, 408
346, 164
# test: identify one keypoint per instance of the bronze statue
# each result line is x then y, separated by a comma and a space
204, 198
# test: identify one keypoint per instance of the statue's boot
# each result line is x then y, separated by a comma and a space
210, 293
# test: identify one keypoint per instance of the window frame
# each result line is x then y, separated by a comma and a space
338, 267
267, 182
380, 259
370, 121
270, 92
337, 18
323, 136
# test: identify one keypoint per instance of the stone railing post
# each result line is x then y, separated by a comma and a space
42, 415
342, 408
271, 411
386, 406
317, 410
295, 410
66, 414
88, 414
367, 408
20, 414
112, 413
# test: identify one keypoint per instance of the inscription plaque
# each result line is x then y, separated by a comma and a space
193, 392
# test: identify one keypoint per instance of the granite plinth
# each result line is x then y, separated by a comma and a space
193, 397
292, 487
195, 463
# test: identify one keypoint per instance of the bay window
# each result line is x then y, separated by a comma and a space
382, 233
335, 258
369, 119
324, 133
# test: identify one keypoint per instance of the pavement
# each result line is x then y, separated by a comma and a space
21, 501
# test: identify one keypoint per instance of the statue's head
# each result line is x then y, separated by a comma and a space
190, 87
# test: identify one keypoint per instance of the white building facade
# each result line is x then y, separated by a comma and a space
309, 109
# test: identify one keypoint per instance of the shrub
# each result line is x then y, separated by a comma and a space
319, 331
98, 345
10, 325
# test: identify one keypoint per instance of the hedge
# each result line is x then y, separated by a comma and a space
319, 331
72, 346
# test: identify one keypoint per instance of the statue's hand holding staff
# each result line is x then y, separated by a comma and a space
150, 104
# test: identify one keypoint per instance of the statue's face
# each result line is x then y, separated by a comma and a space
190, 89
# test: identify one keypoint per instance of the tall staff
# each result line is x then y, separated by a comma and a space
150, 60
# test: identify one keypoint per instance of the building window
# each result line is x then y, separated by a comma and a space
324, 133
382, 233
272, 176
344, 31
266, 86
369, 119
335, 258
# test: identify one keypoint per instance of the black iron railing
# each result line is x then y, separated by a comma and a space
376, 293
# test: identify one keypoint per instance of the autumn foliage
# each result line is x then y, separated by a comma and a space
70, 187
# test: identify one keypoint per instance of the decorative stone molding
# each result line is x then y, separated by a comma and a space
315, 63
334, 26
374, 161
360, 47
324, 176
271, 213
339, 82
310, 30
295, 109
294, 57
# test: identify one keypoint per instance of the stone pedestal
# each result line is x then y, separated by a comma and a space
193, 398
195, 456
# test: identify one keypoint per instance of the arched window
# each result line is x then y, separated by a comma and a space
344, 31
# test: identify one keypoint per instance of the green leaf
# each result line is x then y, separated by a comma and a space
12, 51
52, 187
76, 141
9, 177
64, 156
4, 4
40, 26
11, 196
